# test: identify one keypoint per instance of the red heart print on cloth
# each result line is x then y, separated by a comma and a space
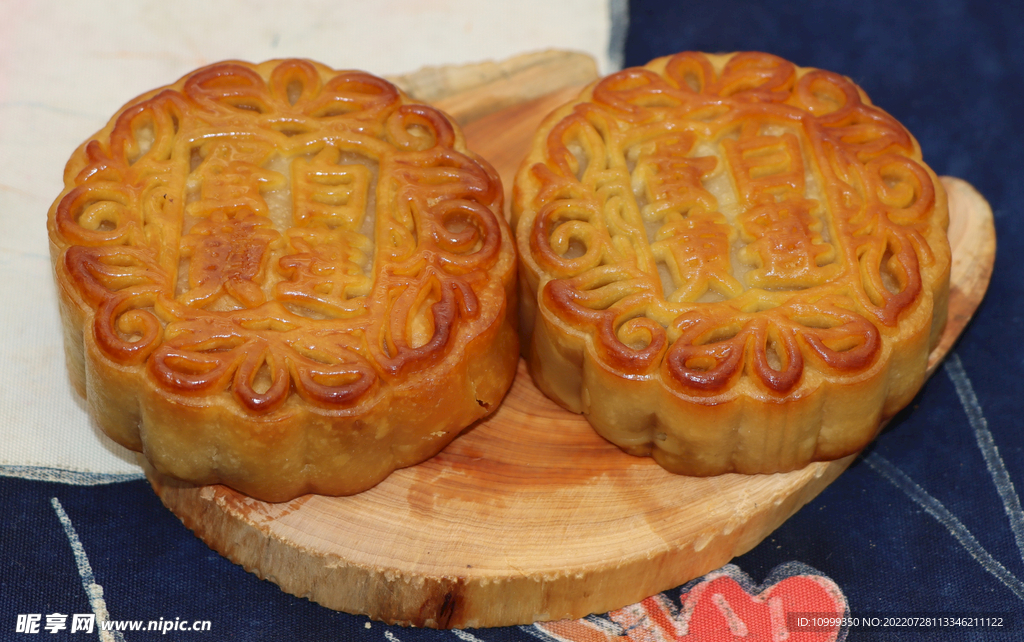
722, 606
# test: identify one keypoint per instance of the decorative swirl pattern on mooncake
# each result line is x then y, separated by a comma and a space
727, 225
286, 234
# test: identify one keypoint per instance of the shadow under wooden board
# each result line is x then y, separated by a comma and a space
530, 515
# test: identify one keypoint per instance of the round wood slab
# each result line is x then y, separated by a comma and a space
530, 515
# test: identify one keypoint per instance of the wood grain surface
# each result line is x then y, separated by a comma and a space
530, 515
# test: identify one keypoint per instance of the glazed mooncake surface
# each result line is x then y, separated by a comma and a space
284, 278
729, 262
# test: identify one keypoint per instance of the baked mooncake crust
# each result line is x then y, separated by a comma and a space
730, 263
284, 278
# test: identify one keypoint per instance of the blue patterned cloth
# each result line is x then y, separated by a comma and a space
928, 521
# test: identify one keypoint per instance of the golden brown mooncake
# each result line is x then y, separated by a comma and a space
730, 263
284, 278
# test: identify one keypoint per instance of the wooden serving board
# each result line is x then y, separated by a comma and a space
530, 515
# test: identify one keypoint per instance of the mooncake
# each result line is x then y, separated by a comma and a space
284, 278
729, 263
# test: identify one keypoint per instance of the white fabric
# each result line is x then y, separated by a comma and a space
66, 67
